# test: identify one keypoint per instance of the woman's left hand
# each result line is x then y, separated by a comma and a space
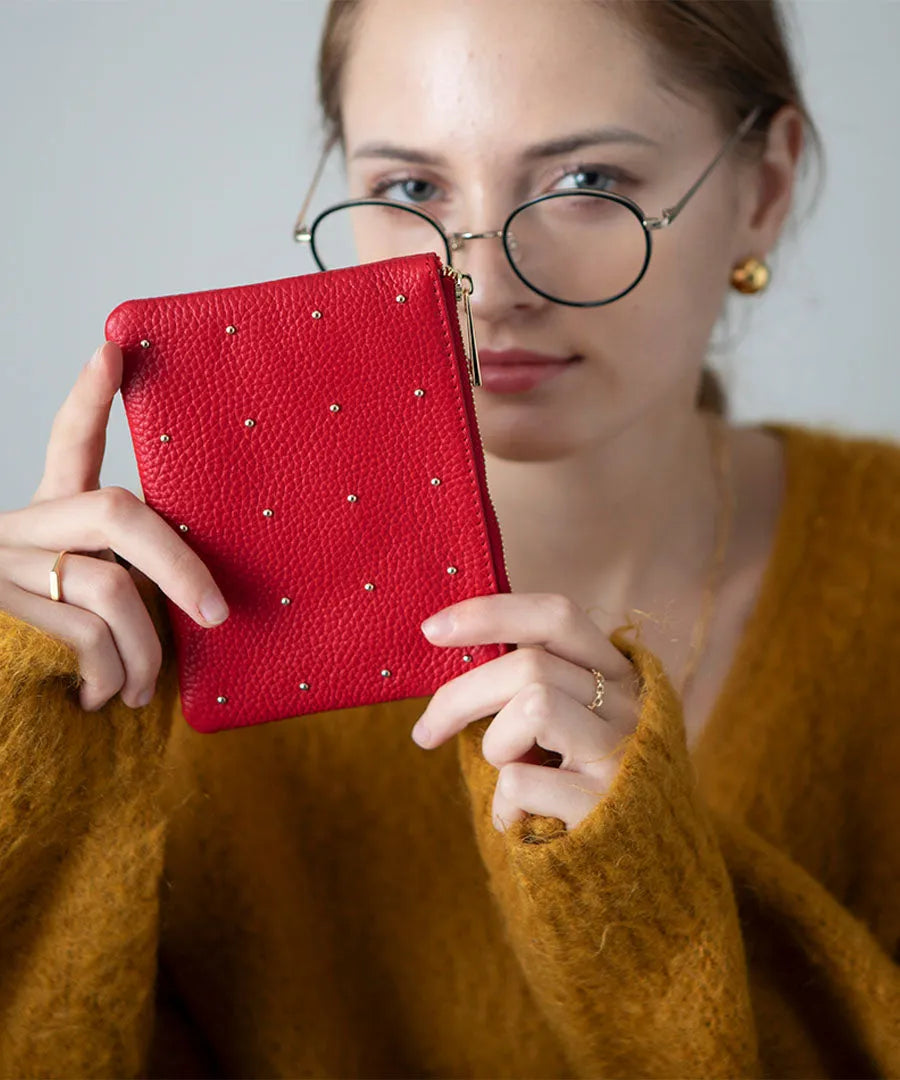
541, 693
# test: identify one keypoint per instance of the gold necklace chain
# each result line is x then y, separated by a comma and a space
724, 518
725, 495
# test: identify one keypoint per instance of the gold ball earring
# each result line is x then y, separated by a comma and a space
750, 276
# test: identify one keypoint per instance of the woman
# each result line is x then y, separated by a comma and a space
659, 855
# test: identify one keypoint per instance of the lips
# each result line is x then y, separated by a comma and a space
515, 371
517, 357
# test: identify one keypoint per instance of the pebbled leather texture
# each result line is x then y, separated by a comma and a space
281, 367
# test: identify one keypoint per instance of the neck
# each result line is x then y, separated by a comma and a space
625, 523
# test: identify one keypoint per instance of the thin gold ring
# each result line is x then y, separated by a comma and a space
55, 579
599, 691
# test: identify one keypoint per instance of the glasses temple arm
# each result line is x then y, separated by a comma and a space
669, 215
300, 224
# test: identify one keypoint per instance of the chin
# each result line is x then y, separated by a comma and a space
524, 442
532, 427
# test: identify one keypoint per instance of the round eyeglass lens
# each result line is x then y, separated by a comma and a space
578, 247
368, 232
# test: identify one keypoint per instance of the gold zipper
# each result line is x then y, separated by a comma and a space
468, 336
471, 351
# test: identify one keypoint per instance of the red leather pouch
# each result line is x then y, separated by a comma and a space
314, 440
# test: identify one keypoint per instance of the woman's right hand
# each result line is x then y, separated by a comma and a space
102, 614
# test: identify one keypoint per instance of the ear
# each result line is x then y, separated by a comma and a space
769, 186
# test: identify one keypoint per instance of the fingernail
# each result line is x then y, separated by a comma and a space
146, 697
213, 608
94, 360
421, 734
438, 625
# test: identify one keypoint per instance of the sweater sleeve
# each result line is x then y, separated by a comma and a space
81, 856
627, 927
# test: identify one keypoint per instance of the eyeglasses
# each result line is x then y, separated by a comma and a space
582, 248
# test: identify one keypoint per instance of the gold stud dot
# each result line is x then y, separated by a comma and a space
317, 314
183, 528
467, 658
304, 686
451, 569
335, 408
165, 438
230, 329
352, 498
435, 482
419, 393
268, 513
222, 700
145, 344
400, 298
249, 423
369, 586
385, 673
285, 600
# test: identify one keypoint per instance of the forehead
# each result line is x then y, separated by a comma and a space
468, 73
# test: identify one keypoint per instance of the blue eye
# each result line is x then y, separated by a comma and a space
413, 189
592, 177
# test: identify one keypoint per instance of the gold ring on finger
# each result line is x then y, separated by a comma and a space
55, 579
599, 691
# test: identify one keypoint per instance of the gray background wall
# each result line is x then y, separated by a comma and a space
152, 148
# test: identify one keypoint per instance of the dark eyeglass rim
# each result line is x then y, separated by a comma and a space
609, 196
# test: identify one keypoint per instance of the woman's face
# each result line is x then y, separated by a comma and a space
462, 89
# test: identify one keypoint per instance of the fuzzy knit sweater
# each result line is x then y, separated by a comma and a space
319, 897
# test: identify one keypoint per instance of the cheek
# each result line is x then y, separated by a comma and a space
662, 328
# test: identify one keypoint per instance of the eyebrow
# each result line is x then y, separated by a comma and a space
550, 148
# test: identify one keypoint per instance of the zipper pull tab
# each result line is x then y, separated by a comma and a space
467, 325
475, 367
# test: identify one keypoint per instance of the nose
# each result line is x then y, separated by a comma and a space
497, 288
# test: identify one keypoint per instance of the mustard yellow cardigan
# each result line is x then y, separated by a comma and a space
319, 897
